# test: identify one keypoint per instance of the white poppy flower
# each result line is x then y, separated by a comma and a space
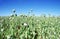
25, 24
54, 32
2, 30
8, 36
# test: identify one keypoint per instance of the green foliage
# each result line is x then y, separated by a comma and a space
35, 27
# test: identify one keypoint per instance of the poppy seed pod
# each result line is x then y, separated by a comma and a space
18, 27
14, 10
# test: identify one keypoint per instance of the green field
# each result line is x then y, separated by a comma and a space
29, 27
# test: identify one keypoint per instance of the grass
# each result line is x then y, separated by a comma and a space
29, 27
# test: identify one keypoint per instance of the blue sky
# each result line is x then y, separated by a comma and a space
23, 6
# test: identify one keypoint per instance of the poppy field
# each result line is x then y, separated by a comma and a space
29, 27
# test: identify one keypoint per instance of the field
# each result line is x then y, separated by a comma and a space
29, 27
